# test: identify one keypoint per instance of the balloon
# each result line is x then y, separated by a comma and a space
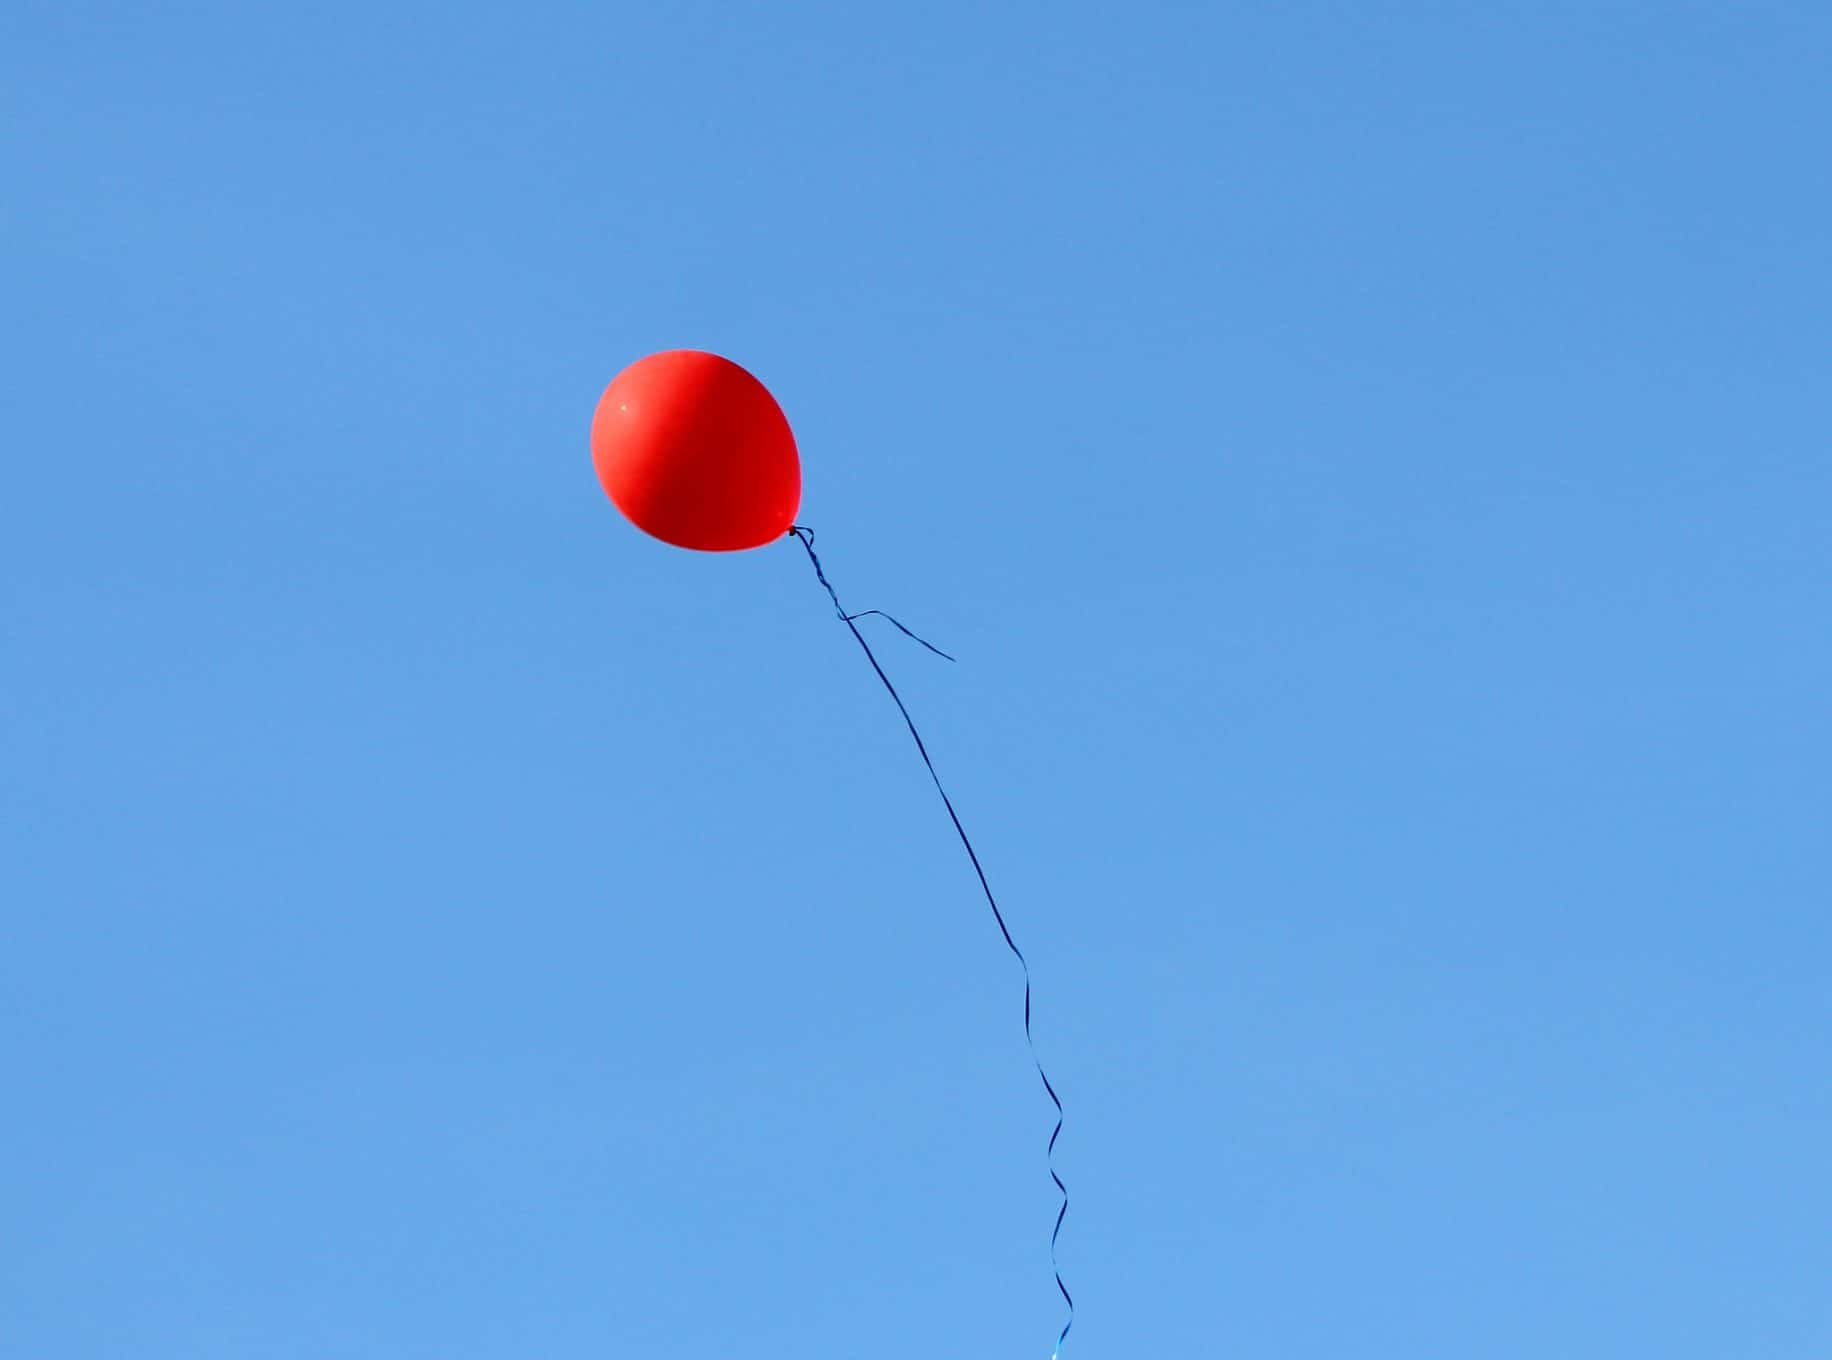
695, 451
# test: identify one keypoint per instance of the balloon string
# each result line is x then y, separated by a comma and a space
900, 628
805, 537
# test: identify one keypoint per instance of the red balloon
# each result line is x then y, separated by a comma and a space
695, 451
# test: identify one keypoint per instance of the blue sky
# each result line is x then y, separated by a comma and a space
1371, 462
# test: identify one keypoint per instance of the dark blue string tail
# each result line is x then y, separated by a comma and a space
805, 537
900, 628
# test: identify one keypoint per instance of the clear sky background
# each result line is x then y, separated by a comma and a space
1371, 461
